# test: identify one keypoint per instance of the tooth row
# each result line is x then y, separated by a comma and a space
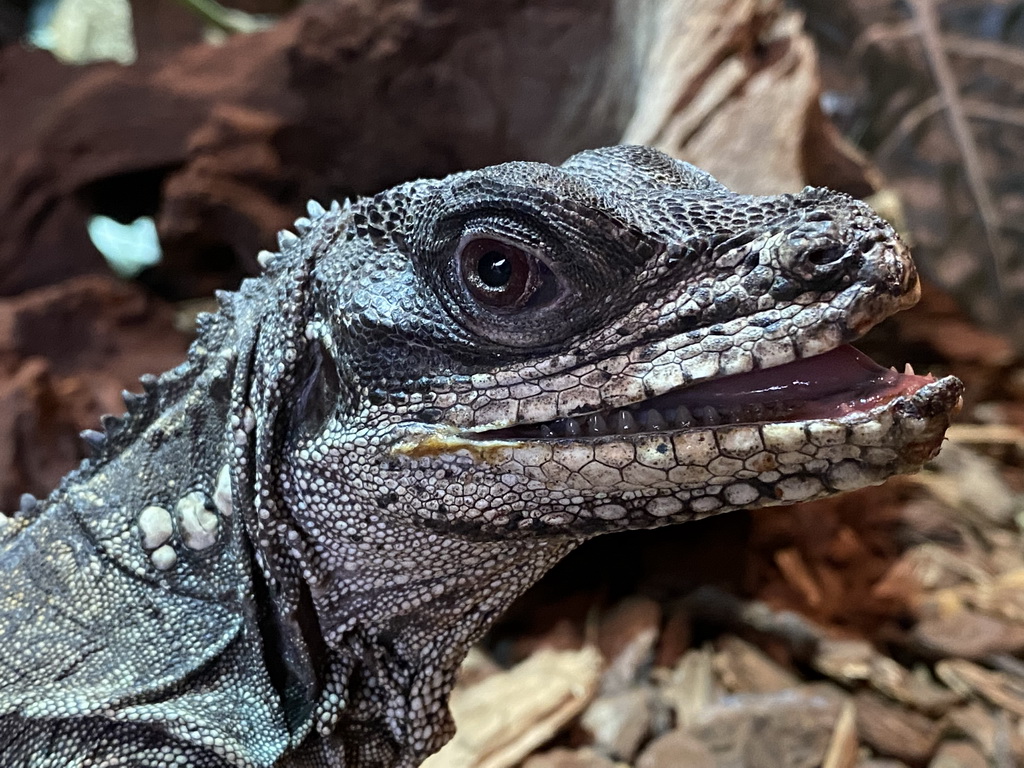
625, 421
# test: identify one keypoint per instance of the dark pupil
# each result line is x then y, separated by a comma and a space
497, 274
495, 269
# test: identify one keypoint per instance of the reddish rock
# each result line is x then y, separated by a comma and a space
223, 144
66, 352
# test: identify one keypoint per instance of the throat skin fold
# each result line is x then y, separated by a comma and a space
278, 557
409, 637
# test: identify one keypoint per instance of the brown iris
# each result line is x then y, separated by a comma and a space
498, 274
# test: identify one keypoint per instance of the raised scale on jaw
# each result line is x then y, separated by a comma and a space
827, 386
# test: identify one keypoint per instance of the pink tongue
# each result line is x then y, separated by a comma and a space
823, 386
812, 378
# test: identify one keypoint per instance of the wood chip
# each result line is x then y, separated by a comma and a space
568, 758
676, 749
845, 661
791, 729
969, 634
958, 754
852, 661
986, 434
799, 576
745, 668
691, 687
973, 721
626, 638
998, 688
504, 717
676, 637
842, 748
978, 485
618, 723
893, 731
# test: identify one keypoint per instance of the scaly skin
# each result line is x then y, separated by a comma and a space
281, 554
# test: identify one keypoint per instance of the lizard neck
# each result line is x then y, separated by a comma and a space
157, 582
397, 624
398, 591
156, 496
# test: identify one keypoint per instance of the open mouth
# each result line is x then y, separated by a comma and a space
826, 386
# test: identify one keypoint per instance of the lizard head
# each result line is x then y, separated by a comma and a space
619, 342
446, 386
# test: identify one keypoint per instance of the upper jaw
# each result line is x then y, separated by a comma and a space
631, 378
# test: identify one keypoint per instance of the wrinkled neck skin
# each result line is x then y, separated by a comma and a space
398, 610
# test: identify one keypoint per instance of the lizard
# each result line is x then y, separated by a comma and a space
281, 552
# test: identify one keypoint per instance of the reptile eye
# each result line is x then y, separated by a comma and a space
501, 275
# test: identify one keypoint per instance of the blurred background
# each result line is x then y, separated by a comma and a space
149, 150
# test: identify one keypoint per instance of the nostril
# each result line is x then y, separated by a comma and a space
827, 255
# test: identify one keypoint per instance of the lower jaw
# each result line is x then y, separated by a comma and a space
860, 448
